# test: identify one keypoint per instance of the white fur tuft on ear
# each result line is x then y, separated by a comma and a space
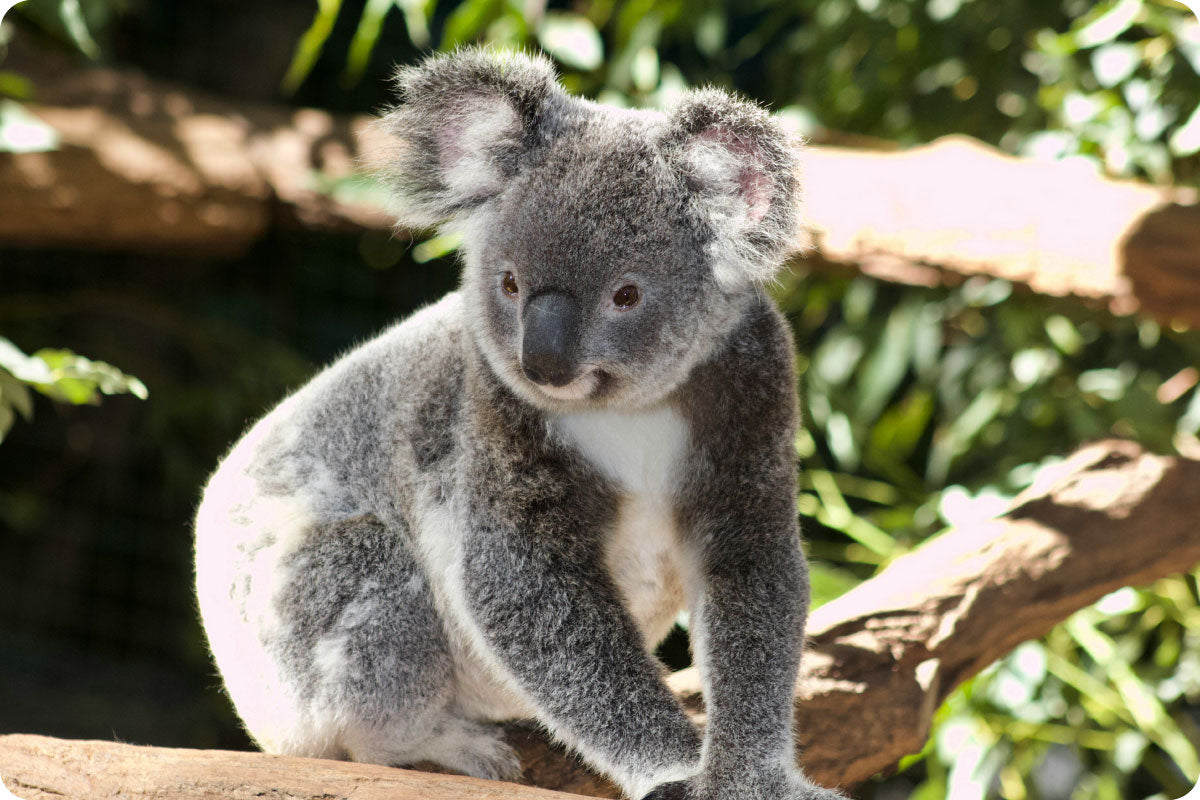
464, 122
742, 167
467, 145
721, 161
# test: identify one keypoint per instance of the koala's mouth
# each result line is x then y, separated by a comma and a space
580, 388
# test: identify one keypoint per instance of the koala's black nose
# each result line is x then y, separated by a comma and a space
551, 332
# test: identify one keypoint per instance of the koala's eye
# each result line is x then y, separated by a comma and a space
626, 297
509, 284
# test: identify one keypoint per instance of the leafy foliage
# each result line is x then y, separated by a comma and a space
933, 407
926, 407
60, 375
1116, 82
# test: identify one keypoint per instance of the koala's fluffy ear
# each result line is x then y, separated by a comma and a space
463, 121
741, 166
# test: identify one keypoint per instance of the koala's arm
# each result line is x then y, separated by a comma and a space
749, 588
551, 618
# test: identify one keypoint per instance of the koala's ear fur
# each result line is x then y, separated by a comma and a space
741, 166
463, 121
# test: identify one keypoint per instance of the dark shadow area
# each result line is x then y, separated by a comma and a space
98, 633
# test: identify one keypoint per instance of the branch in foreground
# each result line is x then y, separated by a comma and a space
883, 657
148, 167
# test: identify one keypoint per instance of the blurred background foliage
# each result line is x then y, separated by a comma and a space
926, 408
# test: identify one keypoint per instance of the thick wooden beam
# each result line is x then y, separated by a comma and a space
882, 657
42, 768
148, 167
958, 208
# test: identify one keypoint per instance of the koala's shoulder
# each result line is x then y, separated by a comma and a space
751, 376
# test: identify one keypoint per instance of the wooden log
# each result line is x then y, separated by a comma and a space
148, 167
882, 657
958, 208
42, 768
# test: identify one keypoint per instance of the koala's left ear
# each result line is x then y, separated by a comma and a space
464, 121
741, 167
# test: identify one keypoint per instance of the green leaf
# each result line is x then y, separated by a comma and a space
834, 512
1109, 25
1185, 141
309, 48
1146, 709
888, 362
15, 394
72, 18
22, 132
7, 417
26, 369
572, 39
900, 428
644, 69
437, 247
828, 582
416, 20
366, 35
1113, 63
77, 376
468, 21
15, 86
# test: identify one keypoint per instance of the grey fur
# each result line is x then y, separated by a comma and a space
423, 542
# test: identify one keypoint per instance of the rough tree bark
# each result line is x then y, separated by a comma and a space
882, 657
147, 167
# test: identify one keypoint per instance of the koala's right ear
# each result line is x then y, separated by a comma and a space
463, 121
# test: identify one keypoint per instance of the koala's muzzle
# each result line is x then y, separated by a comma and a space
550, 332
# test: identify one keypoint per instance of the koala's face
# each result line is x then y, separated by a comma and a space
607, 251
592, 284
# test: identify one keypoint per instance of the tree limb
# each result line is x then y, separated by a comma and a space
148, 167
882, 658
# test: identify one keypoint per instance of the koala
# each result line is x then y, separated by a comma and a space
497, 508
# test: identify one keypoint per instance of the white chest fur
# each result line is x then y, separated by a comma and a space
642, 452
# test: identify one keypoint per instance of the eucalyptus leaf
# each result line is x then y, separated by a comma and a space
14, 394
572, 39
22, 132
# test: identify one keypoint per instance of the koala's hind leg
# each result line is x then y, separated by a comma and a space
473, 748
371, 656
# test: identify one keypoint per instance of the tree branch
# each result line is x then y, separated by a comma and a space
882, 657
147, 167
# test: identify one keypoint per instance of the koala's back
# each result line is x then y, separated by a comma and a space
309, 582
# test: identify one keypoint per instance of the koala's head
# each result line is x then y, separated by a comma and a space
607, 251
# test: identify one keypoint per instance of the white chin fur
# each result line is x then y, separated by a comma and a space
577, 389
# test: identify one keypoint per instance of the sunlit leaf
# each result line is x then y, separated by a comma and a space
828, 582
1109, 25
887, 364
366, 35
22, 132
416, 20
1185, 141
15, 86
468, 21
1113, 63
23, 367
309, 48
573, 40
72, 18
80, 380
15, 395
